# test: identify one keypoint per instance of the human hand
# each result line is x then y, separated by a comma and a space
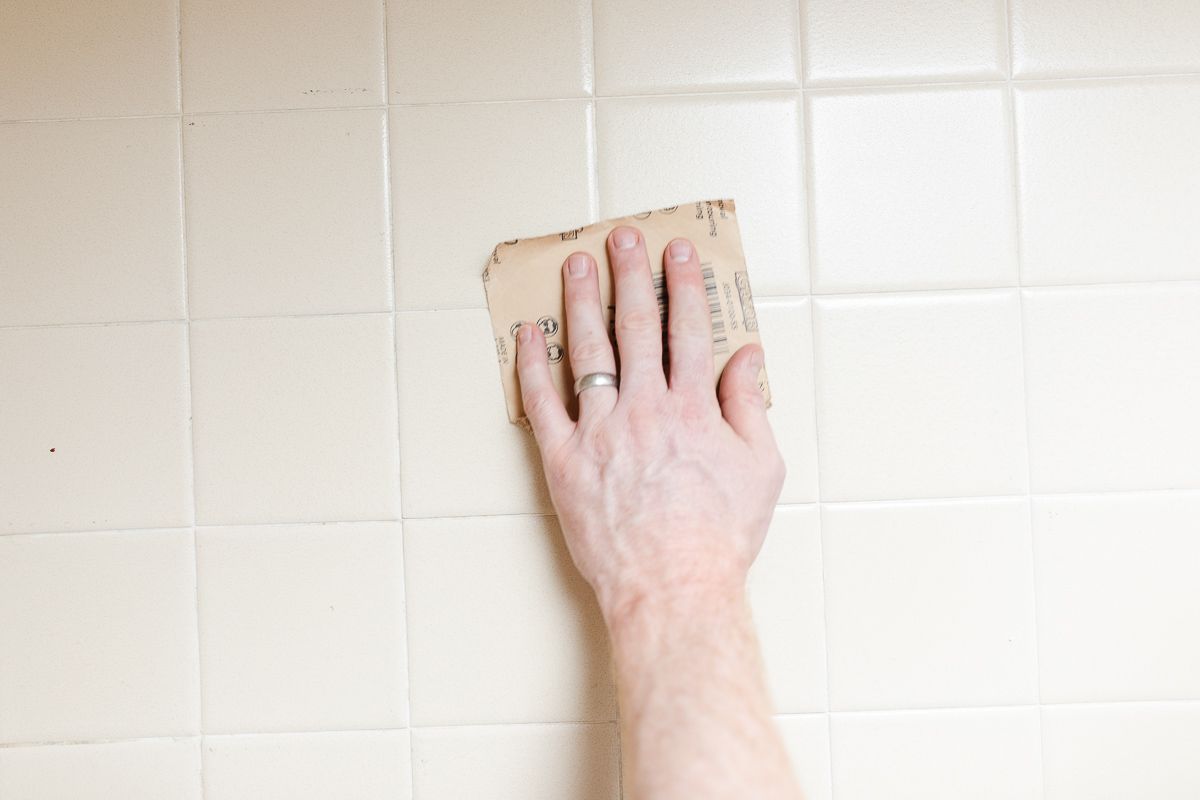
664, 486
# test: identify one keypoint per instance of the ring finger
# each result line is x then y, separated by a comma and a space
588, 346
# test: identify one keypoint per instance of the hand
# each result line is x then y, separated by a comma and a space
663, 486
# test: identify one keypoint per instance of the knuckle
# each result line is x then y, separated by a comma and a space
690, 326
539, 401
588, 350
639, 320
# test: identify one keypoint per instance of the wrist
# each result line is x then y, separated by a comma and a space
653, 607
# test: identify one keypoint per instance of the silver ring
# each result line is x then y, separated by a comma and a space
594, 379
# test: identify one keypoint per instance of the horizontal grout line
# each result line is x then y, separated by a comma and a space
496, 726
813, 504
759, 298
806, 88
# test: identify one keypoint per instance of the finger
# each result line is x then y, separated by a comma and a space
742, 402
638, 319
543, 406
689, 321
588, 346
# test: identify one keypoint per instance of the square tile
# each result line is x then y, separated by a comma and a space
1117, 601
938, 755
460, 51
876, 41
95, 428
929, 604
644, 48
530, 762
281, 54
652, 156
806, 738
302, 627
460, 454
1120, 751
920, 396
1114, 384
785, 595
150, 769
1110, 180
467, 177
97, 636
90, 221
366, 765
502, 628
287, 213
295, 420
1127, 37
912, 190
786, 330
63, 59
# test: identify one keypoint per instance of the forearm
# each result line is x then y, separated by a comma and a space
695, 712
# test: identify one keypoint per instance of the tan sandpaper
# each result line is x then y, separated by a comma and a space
523, 281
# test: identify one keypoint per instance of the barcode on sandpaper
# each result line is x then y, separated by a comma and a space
720, 338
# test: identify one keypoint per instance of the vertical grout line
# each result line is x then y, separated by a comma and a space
1018, 232
187, 343
394, 335
809, 213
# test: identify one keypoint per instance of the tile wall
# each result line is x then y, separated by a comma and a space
266, 533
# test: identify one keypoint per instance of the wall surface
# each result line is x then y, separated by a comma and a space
267, 534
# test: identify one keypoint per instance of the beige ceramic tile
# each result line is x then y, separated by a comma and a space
659, 152
70, 59
806, 738
938, 755
929, 605
1117, 602
878, 41
302, 627
461, 51
1120, 751
460, 456
89, 221
97, 636
786, 330
678, 46
295, 419
529, 762
502, 627
920, 396
789, 610
287, 213
281, 54
367, 765
94, 422
1110, 180
1114, 384
912, 190
150, 769
1054, 38
467, 177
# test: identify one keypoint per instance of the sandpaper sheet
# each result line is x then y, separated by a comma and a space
523, 282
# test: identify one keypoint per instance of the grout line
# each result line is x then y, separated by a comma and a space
805, 157
1019, 239
705, 92
903, 501
187, 333
394, 335
786, 297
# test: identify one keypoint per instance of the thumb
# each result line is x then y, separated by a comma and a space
742, 403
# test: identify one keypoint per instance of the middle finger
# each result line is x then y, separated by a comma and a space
638, 321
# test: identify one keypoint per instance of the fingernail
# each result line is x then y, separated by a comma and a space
681, 250
525, 334
624, 238
578, 264
756, 360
